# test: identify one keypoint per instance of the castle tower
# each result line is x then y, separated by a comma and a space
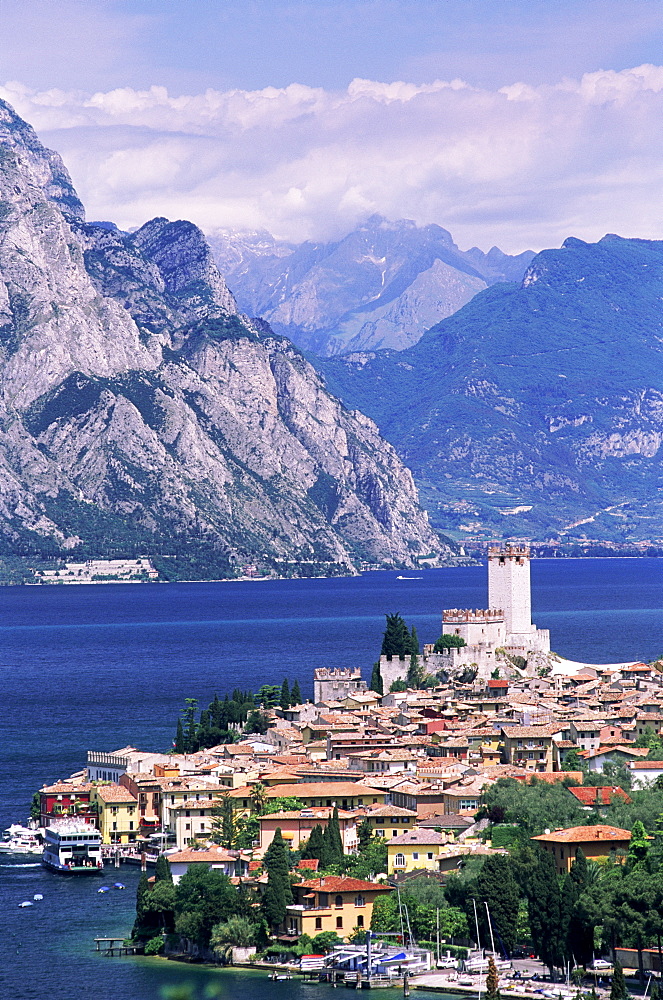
509, 587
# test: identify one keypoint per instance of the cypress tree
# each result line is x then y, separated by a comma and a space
396, 640
618, 989
376, 679
545, 912
278, 892
333, 840
162, 872
315, 847
284, 700
496, 885
179, 738
296, 694
141, 896
414, 642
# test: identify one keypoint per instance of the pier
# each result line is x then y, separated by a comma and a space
116, 946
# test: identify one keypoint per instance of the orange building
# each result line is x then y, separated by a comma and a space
332, 903
596, 842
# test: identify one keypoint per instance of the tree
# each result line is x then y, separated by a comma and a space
278, 892
639, 845
618, 989
223, 823
398, 685
496, 885
189, 726
447, 641
236, 930
296, 694
369, 862
178, 746
325, 941
284, 700
315, 846
545, 912
203, 898
492, 981
257, 722
162, 872
258, 797
580, 938
160, 901
376, 679
35, 806
397, 640
414, 642
415, 672
333, 840
364, 832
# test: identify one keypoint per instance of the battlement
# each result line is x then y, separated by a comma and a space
515, 550
337, 674
460, 616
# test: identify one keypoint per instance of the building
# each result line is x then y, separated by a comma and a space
105, 766
388, 821
64, 800
596, 842
419, 848
344, 794
231, 863
296, 827
117, 813
332, 903
530, 747
509, 590
336, 684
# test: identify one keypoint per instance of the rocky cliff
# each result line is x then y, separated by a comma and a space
140, 412
381, 286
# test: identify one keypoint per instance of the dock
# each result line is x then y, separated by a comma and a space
112, 947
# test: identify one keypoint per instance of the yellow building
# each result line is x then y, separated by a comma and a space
117, 813
388, 821
416, 849
332, 903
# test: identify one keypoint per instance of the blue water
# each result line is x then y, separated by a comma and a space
97, 667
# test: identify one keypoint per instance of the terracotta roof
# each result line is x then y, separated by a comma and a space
600, 794
206, 856
336, 883
647, 765
585, 834
310, 863
320, 789
115, 793
64, 788
420, 836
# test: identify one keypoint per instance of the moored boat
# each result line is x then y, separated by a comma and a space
21, 840
72, 847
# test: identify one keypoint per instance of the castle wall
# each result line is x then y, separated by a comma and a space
475, 627
336, 684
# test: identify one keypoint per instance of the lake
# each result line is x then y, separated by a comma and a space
98, 667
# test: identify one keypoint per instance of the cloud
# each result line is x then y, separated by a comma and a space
519, 166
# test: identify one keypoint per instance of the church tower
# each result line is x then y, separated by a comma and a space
509, 587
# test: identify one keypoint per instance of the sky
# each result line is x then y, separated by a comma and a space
509, 123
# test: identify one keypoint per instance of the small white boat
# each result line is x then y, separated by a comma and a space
20, 840
25, 903
38, 895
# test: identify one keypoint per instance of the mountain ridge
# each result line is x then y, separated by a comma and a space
381, 285
140, 411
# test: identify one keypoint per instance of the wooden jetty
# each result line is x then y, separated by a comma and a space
115, 946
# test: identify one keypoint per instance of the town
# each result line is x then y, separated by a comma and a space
484, 798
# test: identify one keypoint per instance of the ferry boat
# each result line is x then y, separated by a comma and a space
72, 847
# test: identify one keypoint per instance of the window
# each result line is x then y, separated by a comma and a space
115, 826
318, 923
131, 825
379, 833
187, 826
399, 861
430, 856
360, 920
188, 812
394, 833
338, 901
360, 901
415, 856
339, 923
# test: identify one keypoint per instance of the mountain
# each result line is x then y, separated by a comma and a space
538, 407
141, 412
381, 286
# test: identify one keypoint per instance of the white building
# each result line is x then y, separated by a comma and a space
509, 591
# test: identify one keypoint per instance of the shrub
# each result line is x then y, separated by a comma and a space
155, 945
